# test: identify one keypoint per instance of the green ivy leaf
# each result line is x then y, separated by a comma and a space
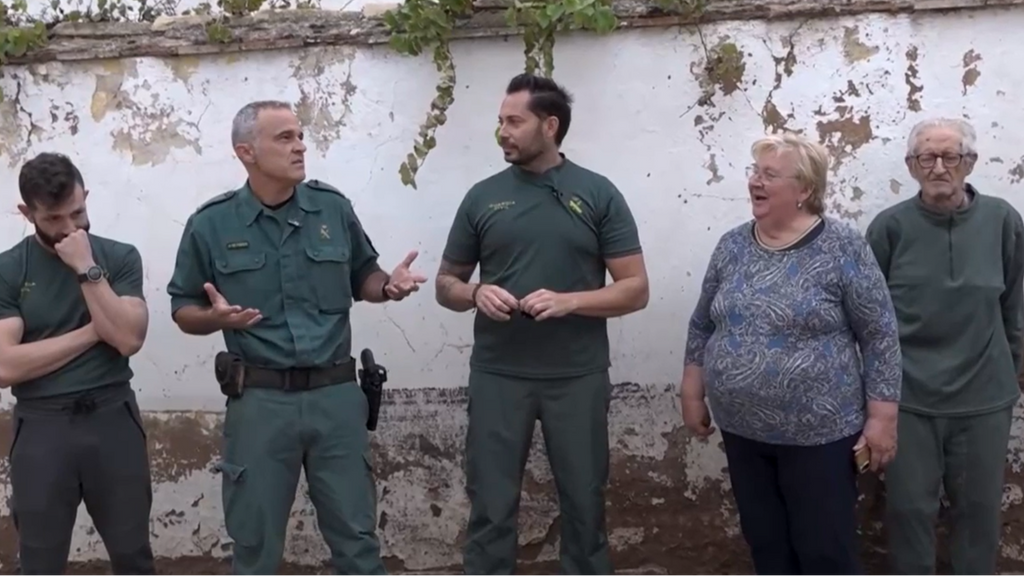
605, 20
407, 176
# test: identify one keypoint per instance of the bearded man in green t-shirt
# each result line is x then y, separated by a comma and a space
545, 232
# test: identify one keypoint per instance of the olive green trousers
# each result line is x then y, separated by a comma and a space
966, 456
573, 414
269, 437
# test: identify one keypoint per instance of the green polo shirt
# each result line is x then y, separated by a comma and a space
549, 231
38, 287
300, 264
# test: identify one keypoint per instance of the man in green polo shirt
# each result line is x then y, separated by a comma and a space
275, 267
72, 312
544, 232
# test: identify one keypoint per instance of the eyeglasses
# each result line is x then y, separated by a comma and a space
928, 160
766, 176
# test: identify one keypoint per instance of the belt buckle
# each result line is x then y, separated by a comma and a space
296, 379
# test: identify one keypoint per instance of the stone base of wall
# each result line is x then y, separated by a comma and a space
669, 507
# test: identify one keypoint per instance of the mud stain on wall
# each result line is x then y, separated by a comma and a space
669, 505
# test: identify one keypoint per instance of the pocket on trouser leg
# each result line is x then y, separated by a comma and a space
241, 509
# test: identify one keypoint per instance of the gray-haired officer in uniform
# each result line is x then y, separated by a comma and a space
275, 266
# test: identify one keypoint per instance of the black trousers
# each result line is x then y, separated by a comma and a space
797, 505
89, 446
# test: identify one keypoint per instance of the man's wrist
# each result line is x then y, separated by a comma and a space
472, 295
83, 268
384, 296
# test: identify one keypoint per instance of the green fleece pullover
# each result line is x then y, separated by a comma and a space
957, 284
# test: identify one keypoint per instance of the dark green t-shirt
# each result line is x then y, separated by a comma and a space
550, 231
956, 284
37, 286
300, 264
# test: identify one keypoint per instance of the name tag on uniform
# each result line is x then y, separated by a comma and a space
238, 245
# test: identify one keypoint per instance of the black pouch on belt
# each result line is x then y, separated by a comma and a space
230, 372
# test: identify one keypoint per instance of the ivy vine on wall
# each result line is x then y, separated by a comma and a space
420, 25
416, 27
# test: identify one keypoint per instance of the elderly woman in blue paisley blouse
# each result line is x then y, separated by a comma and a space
794, 345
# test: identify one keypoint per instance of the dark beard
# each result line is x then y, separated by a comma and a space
52, 241
526, 158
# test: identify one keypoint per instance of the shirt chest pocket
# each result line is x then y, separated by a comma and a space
243, 278
329, 272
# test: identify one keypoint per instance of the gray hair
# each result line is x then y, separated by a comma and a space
243, 128
968, 136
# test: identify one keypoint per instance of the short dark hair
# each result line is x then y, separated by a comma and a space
48, 180
547, 98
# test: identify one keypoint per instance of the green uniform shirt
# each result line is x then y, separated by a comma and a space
530, 232
301, 265
956, 284
37, 286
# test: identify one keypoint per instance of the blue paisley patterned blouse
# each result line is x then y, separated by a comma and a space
794, 342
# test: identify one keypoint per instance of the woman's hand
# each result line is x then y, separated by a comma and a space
697, 417
880, 434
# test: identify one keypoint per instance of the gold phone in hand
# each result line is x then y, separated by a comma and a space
862, 458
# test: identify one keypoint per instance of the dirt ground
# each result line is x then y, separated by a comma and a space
730, 561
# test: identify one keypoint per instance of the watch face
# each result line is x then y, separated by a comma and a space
94, 274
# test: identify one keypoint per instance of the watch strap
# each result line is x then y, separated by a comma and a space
94, 271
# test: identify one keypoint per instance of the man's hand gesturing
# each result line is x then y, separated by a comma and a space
228, 316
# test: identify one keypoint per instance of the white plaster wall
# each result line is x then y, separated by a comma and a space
152, 139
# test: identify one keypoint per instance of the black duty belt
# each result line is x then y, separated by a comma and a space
297, 379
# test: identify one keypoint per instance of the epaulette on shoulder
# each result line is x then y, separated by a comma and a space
216, 200
323, 187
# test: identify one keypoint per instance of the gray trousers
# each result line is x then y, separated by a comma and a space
966, 456
92, 447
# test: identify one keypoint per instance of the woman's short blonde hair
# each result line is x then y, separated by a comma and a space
812, 162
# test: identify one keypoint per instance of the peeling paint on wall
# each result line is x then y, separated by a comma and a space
854, 49
914, 89
971, 72
147, 131
326, 100
672, 129
1017, 172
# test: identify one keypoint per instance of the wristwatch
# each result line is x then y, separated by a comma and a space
93, 274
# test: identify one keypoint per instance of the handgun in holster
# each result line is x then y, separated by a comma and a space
230, 372
372, 377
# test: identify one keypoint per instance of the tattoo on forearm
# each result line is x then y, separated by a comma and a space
449, 274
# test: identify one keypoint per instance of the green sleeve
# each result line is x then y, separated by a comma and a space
1012, 299
878, 239
127, 280
191, 270
364, 255
463, 246
618, 232
10, 294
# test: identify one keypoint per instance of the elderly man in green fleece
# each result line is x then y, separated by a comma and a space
954, 262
